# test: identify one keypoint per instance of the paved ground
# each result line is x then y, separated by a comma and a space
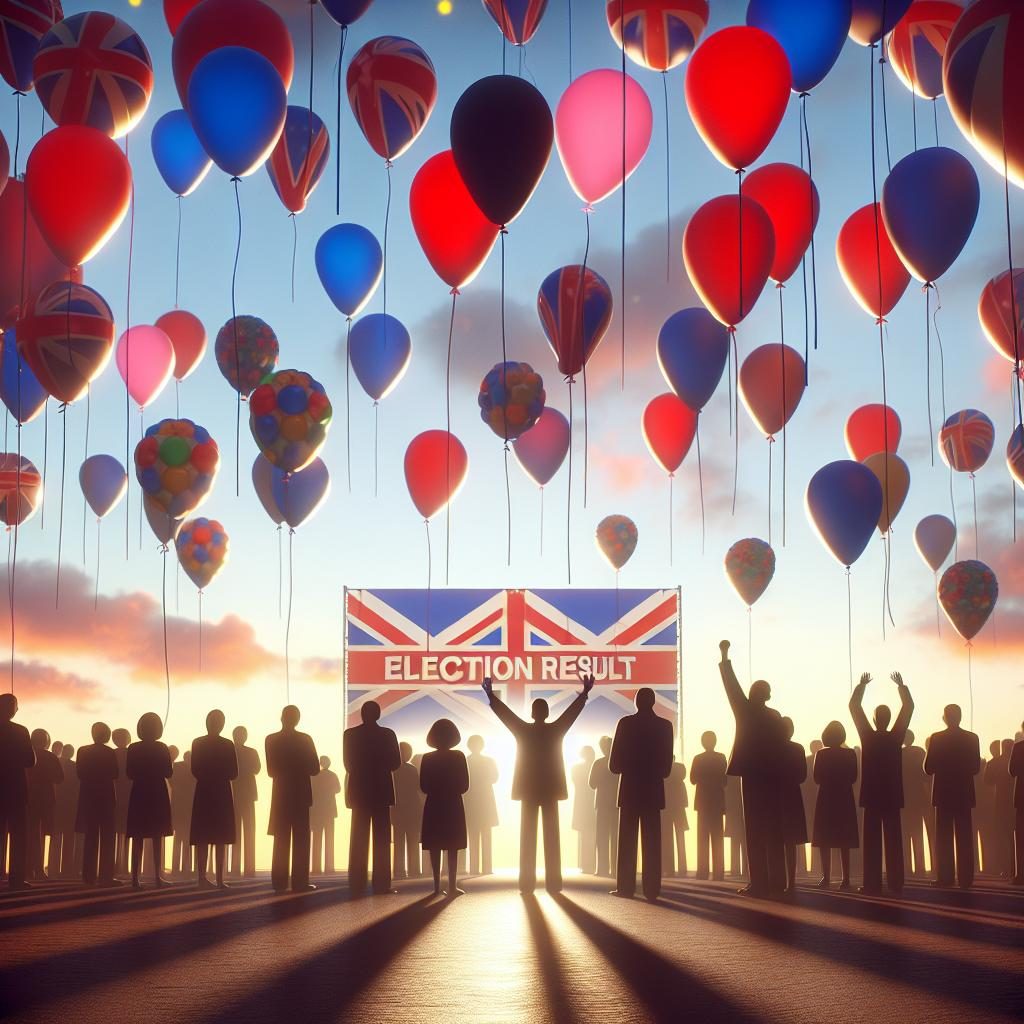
703, 955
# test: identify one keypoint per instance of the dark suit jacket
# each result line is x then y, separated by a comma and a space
881, 772
954, 758
604, 784
98, 770
371, 754
291, 762
708, 776
757, 748
16, 757
1016, 769
642, 758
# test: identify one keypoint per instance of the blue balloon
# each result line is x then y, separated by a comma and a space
299, 495
24, 397
693, 348
380, 349
812, 34
104, 483
930, 203
344, 12
873, 19
237, 103
178, 153
844, 503
350, 262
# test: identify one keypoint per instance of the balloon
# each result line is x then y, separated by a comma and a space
543, 448
350, 263
873, 19
737, 88
20, 389
894, 476
104, 483
237, 104
934, 537
501, 134
145, 360
344, 12
246, 350
455, 236
918, 42
966, 440
616, 538
66, 338
178, 154
790, 199
511, 399
669, 427
517, 19
693, 349
219, 24
79, 186
175, 12
263, 474
20, 488
435, 470
165, 528
968, 592
811, 34
844, 503
188, 339
202, 547
94, 69
771, 383
862, 247
299, 495
1015, 454
289, 415
750, 566
871, 429
299, 158
176, 463
589, 133
22, 24
657, 34
574, 322
1001, 313
380, 349
711, 252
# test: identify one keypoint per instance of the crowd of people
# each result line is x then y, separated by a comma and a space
883, 805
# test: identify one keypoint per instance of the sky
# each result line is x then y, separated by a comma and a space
80, 660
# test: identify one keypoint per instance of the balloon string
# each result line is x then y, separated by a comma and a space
376, 446
60, 514
295, 248
970, 682
671, 524
177, 258
541, 521
280, 572
348, 403
938, 619
888, 581
736, 419
142, 434
508, 506
622, 253
1013, 483
569, 7
935, 118
771, 445
581, 293
46, 452
568, 496
387, 219
14, 551
952, 506
127, 359
885, 112
928, 368
849, 626
785, 408
700, 488
1013, 294
504, 371
430, 572
17, 133
750, 643
913, 114
234, 330
167, 661
885, 581
288, 622
814, 258
200, 595
974, 499
85, 458
668, 180
337, 124
96, 590
739, 192
448, 429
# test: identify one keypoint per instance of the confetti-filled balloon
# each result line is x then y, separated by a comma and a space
616, 539
966, 440
176, 463
246, 350
511, 399
968, 592
918, 43
934, 537
1001, 312
104, 482
20, 488
750, 566
657, 34
574, 321
289, 415
202, 547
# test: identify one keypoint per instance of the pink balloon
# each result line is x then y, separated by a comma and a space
588, 131
145, 359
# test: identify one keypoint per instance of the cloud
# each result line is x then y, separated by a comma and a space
38, 681
321, 670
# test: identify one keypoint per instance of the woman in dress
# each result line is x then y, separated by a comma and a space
444, 777
835, 810
794, 822
148, 765
214, 766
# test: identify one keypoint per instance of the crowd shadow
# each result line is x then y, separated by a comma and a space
549, 963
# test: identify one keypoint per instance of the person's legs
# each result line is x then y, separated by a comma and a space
236, 846
90, 852
603, 843
625, 880
790, 854
703, 846
202, 860
668, 852
398, 868
943, 857
158, 860
964, 829
552, 848
221, 856
650, 838
106, 868
300, 850
453, 873
716, 837
329, 847
435, 867
54, 855
756, 831
485, 851
681, 851
892, 829
588, 855
358, 851
381, 821
528, 813
872, 850
279, 858
136, 860
844, 859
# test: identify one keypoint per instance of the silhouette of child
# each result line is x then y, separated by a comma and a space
835, 810
444, 777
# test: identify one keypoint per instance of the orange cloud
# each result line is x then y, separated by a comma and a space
321, 670
38, 681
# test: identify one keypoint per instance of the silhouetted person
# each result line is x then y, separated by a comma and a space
809, 794
444, 778
122, 790
97, 805
999, 786
756, 757
986, 850
213, 811
917, 808
954, 757
606, 810
324, 812
291, 763
244, 793
835, 811
183, 792
708, 776
149, 766
43, 778
65, 851
539, 781
17, 756
584, 817
734, 830
1016, 771
406, 816
794, 825
481, 807
674, 823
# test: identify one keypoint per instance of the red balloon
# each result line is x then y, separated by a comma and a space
790, 199
1001, 312
175, 12
455, 236
188, 339
5, 163
435, 469
872, 429
862, 239
711, 252
737, 88
217, 23
772, 381
669, 426
79, 186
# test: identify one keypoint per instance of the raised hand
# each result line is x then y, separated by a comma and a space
897, 679
588, 684
724, 648
865, 679
488, 687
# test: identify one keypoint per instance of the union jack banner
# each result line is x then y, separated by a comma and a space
918, 42
657, 34
966, 440
20, 483
22, 24
299, 158
422, 655
517, 19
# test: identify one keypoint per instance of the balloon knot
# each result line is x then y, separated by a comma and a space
388, 164
18, 92
503, 230
588, 209
291, 531
61, 408
771, 439
454, 291
926, 286
569, 379
731, 329
803, 95
880, 320
235, 178
779, 284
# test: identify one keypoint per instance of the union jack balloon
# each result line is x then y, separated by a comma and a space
918, 43
657, 34
20, 486
22, 24
1015, 454
299, 158
392, 88
966, 440
574, 319
93, 69
517, 19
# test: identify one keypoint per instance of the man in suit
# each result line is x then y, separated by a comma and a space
917, 816
674, 823
1016, 770
17, 756
539, 781
370, 753
407, 816
708, 775
326, 787
881, 785
642, 758
606, 805
954, 758
244, 792
481, 807
98, 773
291, 762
